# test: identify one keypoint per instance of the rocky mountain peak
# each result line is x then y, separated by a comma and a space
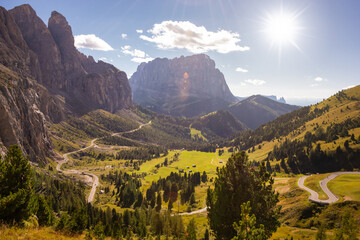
63, 80
61, 30
173, 86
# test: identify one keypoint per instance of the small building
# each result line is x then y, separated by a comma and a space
181, 170
220, 161
187, 167
190, 171
194, 165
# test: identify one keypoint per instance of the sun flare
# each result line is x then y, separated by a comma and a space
282, 28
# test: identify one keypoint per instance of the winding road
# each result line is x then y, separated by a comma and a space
94, 177
314, 196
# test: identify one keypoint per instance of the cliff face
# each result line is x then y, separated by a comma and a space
43, 78
85, 84
186, 86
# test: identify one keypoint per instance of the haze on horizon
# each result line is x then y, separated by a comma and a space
304, 51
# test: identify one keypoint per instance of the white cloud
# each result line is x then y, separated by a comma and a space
135, 53
103, 59
92, 42
320, 79
255, 82
239, 69
242, 84
195, 39
138, 55
124, 35
139, 31
315, 85
140, 60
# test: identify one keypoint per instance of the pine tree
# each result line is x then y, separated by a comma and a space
15, 186
238, 183
246, 227
158, 202
207, 235
191, 230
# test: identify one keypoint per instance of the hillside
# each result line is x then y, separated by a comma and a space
323, 137
177, 86
257, 110
218, 124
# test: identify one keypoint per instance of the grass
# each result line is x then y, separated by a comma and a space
312, 182
194, 132
204, 161
46, 233
286, 232
346, 186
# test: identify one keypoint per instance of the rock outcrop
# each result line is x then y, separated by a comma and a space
85, 84
43, 78
187, 86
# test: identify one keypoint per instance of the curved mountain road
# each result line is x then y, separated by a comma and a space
314, 196
94, 177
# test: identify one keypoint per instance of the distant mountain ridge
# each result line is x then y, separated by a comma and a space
272, 97
257, 110
186, 86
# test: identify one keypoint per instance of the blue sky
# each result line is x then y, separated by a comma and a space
319, 39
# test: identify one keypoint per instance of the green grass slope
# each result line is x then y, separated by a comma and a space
257, 110
218, 124
333, 124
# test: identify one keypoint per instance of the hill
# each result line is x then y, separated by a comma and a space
257, 110
218, 124
320, 138
177, 86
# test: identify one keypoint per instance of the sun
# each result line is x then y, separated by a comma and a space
282, 28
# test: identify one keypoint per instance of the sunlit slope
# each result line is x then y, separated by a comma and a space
341, 109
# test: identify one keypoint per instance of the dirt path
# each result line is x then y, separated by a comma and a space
314, 196
95, 178
194, 212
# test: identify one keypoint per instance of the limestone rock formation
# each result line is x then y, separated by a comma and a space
187, 86
43, 78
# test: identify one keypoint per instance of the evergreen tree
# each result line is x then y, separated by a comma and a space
15, 186
207, 235
235, 184
246, 228
191, 230
158, 202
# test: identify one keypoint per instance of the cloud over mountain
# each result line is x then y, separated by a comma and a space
92, 42
195, 39
138, 55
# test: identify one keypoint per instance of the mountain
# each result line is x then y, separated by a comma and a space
43, 79
272, 97
186, 86
257, 110
218, 124
324, 137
